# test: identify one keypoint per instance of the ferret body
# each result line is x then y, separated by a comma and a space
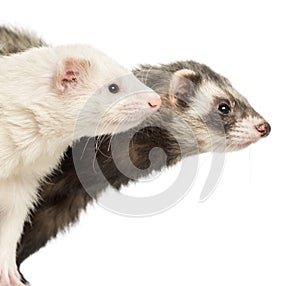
50, 97
203, 99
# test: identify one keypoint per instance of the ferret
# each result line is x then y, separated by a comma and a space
50, 97
205, 100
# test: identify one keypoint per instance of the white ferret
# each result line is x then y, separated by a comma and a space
50, 97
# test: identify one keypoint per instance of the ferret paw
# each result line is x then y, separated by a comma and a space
10, 277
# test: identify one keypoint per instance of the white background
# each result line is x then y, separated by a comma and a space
247, 233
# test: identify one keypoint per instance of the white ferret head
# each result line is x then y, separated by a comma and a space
110, 98
85, 92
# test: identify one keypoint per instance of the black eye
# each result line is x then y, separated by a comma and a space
224, 108
114, 88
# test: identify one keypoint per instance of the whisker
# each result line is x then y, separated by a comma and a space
101, 139
85, 146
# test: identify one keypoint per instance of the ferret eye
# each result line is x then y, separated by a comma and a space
113, 88
224, 108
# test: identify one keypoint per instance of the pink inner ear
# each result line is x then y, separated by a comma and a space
70, 76
71, 69
70, 72
180, 85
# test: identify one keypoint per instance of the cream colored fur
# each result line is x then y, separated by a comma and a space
43, 92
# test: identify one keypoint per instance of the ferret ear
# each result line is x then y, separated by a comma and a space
70, 72
182, 85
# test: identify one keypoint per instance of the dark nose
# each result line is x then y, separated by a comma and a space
263, 128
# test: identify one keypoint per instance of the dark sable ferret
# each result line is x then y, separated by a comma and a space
192, 95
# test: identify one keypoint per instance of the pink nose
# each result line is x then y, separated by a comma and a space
263, 128
155, 102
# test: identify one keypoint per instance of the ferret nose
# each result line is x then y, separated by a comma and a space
263, 128
155, 102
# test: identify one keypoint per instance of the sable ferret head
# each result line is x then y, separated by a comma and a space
220, 117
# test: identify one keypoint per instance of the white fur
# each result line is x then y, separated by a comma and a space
210, 90
184, 73
38, 120
244, 133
